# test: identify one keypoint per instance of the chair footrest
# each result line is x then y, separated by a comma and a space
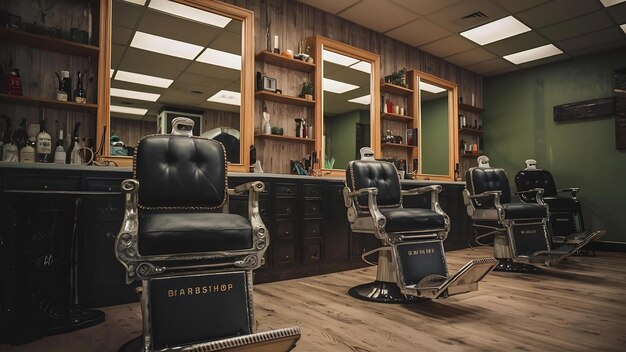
280, 340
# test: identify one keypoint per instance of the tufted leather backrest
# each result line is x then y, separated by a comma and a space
483, 179
529, 179
180, 172
380, 174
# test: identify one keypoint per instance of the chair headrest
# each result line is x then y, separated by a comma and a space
531, 164
483, 161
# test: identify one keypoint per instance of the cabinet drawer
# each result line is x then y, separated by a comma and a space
284, 254
312, 207
286, 189
104, 184
312, 229
16, 181
285, 206
240, 207
312, 191
285, 230
312, 253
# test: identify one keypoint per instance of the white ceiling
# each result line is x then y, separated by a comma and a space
577, 27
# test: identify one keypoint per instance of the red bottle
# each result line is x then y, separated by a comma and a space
13, 82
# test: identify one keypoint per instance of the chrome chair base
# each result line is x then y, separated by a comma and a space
508, 265
79, 318
382, 292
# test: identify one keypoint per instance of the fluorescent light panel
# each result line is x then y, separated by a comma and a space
533, 54
165, 46
128, 110
111, 73
623, 27
608, 3
330, 85
133, 94
190, 13
496, 30
365, 100
220, 58
226, 97
431, 88
143, 79
338, 58
138, 2
363, 67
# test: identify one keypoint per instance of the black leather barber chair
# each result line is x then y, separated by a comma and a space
193, 258
520, 230
565, 214
411, 261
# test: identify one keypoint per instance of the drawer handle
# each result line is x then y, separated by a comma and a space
287, 233
110, 235
263, 212
314, 192
314, 209
288, 190
45, 186
315, 257
286, 258
288, 210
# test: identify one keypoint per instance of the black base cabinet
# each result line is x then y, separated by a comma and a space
306, 217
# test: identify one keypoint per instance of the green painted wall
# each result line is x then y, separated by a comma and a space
340, 134
434, 143
519, 125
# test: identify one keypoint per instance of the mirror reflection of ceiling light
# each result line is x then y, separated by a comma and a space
143, 79
363, 67
496, 30
533, 54
138, 2
608, 3
189, 13
365, 100
128, 110
133, 94
165, 46
226, 97
431, 88
623, 27
338, 58
330, 85
220, 58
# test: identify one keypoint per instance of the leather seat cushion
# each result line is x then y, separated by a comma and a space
411, 219
170, 233
562, 203
524, 211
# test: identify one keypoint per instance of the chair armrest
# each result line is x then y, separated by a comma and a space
495, 195
421, 190
372, 205
573, 191
126, 249
363, 191
538, 192
254, 186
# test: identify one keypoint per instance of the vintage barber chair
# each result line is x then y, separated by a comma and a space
566, 218
411, 262
193, 258
521, 236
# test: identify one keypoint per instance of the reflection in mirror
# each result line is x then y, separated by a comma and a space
346, 86
435, 129
170, 60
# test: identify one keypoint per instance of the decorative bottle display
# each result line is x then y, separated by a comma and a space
59, 151
27, 153
457, 175
13, 82
80, 96
9, 150
5, 135
72, 156
67, 84
43, 146
20, 136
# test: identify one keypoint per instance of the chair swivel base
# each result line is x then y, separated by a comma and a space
510, 266
79, 318
381, 292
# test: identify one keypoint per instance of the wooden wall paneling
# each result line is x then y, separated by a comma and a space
131, 131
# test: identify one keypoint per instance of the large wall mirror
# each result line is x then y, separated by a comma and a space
349, 78
437, 108
180, 58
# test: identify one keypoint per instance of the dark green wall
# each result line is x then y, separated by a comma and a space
519, 125
435, 139
340, 134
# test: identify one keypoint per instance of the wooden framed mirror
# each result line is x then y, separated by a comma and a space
187, 58
436, 106
347, 114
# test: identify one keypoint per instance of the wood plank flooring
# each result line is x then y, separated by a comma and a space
578, 305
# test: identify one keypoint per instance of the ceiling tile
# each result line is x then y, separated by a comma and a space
514, 6
163, 66
618, 12
471, 57
489, 66
424, 7
418, 32
557, 11
379, 15
331, 6
577, 26
450, 17
599, 48
178, 28
592, 39
126, 14
451, 45
517, 43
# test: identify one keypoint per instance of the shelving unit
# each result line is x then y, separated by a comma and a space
48, 43
398, 123
396, 117
279, 60
48, 103
399, 145
284, 138
470, 135
283, 99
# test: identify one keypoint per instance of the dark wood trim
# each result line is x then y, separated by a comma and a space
585, 109
471, 108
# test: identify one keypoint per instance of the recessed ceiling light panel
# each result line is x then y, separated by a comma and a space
533, 54
365, 100
143, 79
363, 67
226, 97
138, 2
497, 30
189, 13
338, 58
608, 3
431, 88
330, 85
165, 46
128, 110
133, 94
220, 58
623, 27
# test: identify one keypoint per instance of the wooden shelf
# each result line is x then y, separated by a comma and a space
399, 145
471, 108
48, 43
470, 131
395, 117
397, 90
48, 103
283, 138
279, 60
283, 99
469, 155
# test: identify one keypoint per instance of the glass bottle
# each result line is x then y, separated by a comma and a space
59, 151
457, 175
43, 146
67, 84
72, 156
27, 153
80, 96
20, 136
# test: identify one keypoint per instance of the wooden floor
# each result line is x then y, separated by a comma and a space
579, 305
